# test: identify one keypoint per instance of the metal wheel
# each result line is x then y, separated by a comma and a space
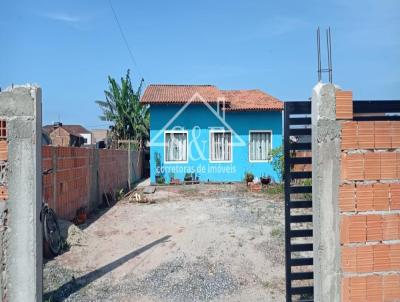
51, 231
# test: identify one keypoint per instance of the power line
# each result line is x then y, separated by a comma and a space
125, 39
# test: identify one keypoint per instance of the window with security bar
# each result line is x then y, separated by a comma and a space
176, 146
220, 146
260, 146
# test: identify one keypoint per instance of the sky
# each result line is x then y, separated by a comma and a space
69, 48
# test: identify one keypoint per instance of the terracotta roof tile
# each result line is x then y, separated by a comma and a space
72, 129
179, 93
236, 100
248, 100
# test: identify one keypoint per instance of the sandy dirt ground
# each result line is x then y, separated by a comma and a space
192, 243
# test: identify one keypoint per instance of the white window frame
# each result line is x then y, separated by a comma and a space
259, 160
165, 147
216, 130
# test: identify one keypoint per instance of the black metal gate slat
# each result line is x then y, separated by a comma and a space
302, 204
300, 121
300, 174
296, 114
300, 218
300, 160
301, 131
301, 247
300, 146
300, 233
302, 290
302, 276
301, 261
300, 189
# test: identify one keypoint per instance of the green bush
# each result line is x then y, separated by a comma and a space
278, 162
248, 177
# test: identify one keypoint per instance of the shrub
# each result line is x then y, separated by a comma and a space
278, 162
248, 177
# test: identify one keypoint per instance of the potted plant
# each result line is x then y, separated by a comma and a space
249, 177
188, 177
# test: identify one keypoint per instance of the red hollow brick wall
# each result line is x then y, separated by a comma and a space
68, 187
77, 177
3, 157
369, 204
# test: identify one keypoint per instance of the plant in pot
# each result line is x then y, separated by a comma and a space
188, 177
249, 177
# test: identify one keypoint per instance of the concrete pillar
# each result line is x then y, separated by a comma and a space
325, 182
21, 107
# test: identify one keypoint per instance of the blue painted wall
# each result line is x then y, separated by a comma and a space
197, 119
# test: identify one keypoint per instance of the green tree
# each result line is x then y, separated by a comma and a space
278, 161
130, 119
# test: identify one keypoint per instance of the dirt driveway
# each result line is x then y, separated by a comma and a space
194, 243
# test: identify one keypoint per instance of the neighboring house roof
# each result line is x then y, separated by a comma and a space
236, 100
75, 130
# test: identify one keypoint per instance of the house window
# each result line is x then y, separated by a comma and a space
176, 146
260, 146
220, 146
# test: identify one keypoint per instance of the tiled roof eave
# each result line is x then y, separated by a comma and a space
181, 102
253, 109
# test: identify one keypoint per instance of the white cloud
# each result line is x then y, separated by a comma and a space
62, 17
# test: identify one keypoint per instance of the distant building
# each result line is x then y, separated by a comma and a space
68, 135
100, 135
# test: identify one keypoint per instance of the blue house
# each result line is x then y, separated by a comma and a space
208, 134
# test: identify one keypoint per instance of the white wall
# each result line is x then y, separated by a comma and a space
88, 137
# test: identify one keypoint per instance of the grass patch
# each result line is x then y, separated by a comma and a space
277, 233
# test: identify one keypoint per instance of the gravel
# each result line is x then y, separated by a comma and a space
224, 246
181, 281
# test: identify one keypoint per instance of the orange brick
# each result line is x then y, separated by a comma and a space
353, 229
364, 197
347, 197
3, 193
391, 227
395, 134
3, 150
349, 258
374, 288
344, 105
365, 259
381, 257
395, 196
394, 255
345, 290
381, 197
354, 166
398, 164
358, 289
349, 135
382, 132
365, 134
344, 229
343, 166
391, 287
372, 165
374, 228
388, 165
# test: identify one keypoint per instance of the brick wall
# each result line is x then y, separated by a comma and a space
113, 172
3, 160
369, 203
81, 175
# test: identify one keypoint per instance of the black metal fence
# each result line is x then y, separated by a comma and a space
379, 110
298, 202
